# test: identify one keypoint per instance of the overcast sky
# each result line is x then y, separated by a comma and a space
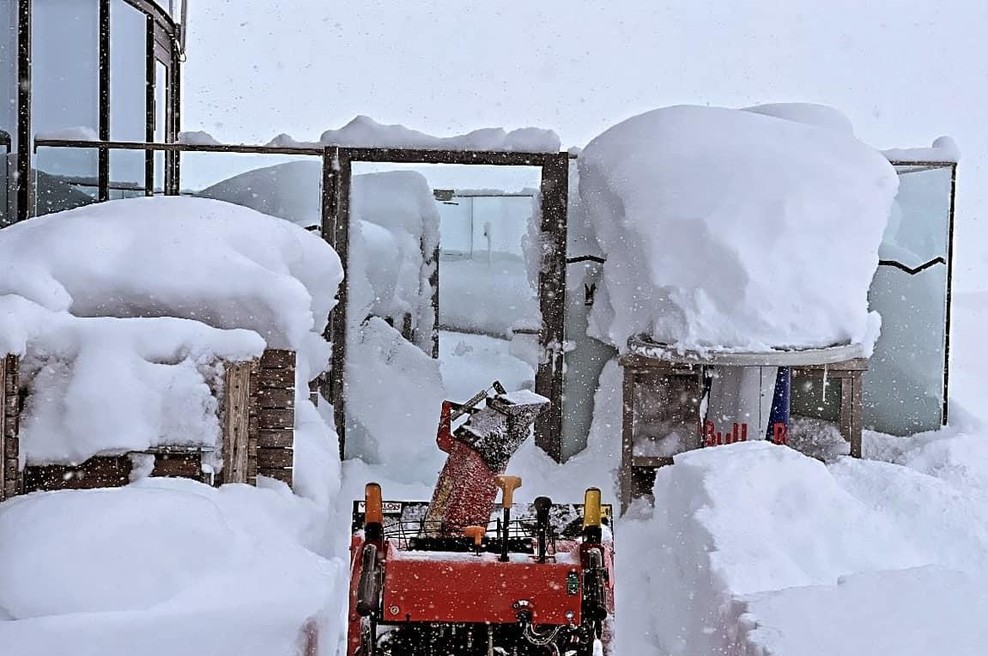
904, 71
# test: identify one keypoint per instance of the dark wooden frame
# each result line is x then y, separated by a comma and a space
637, 473
337, 174
10, 407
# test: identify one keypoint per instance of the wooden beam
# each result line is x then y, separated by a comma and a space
236, 420
3, 427
10, 477
552, 303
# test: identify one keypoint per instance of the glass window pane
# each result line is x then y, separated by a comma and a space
64, 178
160, 106
65, 59
128, 73
128, 95
8, 67
903, 388
8, 101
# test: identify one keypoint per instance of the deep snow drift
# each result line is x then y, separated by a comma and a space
123, 310
735, 229
161, 567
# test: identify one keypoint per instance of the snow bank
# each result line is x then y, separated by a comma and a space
161, 567
735, 229
394, 396
122, 310
906, 613
216, 263
756, 549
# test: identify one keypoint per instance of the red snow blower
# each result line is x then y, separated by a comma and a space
461, 576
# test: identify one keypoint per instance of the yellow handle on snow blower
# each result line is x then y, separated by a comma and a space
591, 508
508, 485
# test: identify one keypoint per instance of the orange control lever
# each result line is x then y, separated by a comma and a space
477, 533
508, 485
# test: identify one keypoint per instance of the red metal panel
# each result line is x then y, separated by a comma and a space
445, 587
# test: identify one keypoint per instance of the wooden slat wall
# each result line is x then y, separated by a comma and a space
275, 402
9, 425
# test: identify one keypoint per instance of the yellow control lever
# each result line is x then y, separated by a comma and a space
508, 485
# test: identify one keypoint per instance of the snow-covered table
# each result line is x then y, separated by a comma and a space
664, 388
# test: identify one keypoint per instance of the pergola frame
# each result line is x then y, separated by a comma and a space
554, 188
337, 167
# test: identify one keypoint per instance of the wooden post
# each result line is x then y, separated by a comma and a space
236, 420
552, 303
9, 420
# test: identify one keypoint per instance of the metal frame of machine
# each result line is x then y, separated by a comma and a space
460, 575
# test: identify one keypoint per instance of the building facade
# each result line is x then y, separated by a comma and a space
104, 70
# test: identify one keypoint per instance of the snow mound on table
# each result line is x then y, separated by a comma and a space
122, 312
808, 113
216, 263
732, 229
161, 567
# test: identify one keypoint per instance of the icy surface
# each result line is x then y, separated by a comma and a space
732, 229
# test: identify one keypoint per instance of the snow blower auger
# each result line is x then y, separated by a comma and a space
460, 576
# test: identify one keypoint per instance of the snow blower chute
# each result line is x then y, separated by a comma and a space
462, 576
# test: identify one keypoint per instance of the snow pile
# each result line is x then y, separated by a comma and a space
762, 550
161, 567
394, 395
122, 311
365, 132
393, 240
394, 232
735, 229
